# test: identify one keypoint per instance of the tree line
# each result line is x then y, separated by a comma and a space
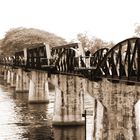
18, 38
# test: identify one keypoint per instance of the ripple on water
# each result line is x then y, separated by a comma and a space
23, 121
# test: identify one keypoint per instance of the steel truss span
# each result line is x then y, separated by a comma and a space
121, 62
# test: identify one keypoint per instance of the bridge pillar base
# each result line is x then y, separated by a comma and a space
22, 81
13, 79
68, 123
38, 88
119, 100
69, 93
69, 133
116, 120
2, 71
8, 77
5, 74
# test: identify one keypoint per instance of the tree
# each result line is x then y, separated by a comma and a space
93, 43
19, 38
137, 30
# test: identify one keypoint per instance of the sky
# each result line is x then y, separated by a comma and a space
109, 20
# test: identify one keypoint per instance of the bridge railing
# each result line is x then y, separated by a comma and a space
84, 62
121, 62
40, 63
7, 61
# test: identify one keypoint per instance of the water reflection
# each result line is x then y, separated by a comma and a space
69, 133
20, 120
40, 128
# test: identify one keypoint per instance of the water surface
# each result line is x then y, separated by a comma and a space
20, 120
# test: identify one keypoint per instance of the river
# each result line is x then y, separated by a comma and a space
20, 120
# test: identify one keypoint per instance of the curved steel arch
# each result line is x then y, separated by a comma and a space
95, 58
67, 62
98, 56
121, 62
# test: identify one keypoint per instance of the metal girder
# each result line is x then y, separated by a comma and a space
122, 62
63, 58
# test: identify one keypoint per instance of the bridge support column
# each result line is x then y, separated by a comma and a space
98, 115
117, 119
69, 93
5, 74
8, 77
2, 71
22, 81
13, 79
69, 133
119, 100
38, 88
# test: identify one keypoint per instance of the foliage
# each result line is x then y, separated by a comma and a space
137, 30
0, 42
19, 38
93, 43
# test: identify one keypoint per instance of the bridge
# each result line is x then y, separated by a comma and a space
111, 76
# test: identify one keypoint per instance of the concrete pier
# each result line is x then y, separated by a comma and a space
8, 77
13, 79
69, 91
69, 132
38, 88
137, 112
118, 99
98, 115
22, 81
5, 74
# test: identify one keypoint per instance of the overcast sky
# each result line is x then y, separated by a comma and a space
110, 20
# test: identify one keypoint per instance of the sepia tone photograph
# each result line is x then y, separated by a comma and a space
69, 70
